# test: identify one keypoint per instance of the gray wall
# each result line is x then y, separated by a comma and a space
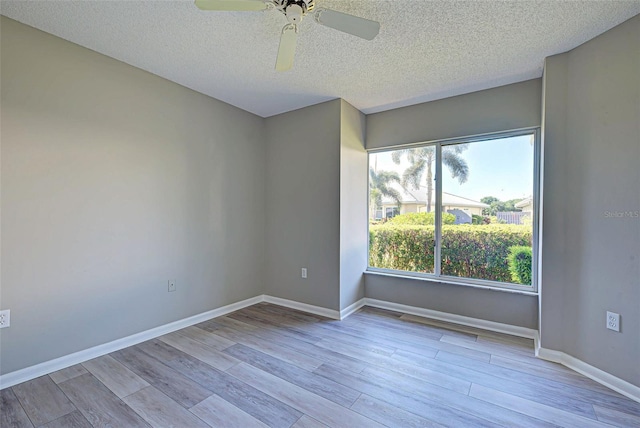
316, 203
552, 274
499, 109
591, 263
498, 306
353, 205
114, 181
493, 110
303, 205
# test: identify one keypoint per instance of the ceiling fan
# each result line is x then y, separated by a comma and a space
295, 10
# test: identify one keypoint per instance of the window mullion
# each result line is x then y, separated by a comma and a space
438, 212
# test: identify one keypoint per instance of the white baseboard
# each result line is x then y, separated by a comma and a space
610, 381
312, 309
29, 373
352, 308
456, 319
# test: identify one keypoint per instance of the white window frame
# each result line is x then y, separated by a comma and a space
437, 276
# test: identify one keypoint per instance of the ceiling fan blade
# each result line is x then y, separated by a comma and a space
287, 48
231, 5
350, 24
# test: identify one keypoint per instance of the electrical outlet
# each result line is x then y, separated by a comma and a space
613, 321
304, 272
5, 318
172, 285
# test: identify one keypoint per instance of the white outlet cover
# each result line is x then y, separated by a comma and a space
613, 321
5, 318
304, 272
172, 285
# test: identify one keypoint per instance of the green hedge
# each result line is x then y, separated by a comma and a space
424, 219
472, 251
519, 259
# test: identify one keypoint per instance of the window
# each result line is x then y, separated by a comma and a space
464, 211
391, 212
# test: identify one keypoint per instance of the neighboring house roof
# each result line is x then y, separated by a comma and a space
419, 196
459, 201
523, 203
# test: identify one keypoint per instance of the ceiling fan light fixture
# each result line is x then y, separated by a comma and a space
294, 13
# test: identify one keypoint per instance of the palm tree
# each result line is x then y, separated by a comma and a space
380, 186
421, 160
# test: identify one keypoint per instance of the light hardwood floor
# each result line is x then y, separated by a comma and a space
268, 366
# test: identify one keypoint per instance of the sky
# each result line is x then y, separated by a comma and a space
502, 168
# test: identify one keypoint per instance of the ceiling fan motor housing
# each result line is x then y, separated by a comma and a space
294, 10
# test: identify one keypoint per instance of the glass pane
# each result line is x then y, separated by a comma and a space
401, 217
487, 205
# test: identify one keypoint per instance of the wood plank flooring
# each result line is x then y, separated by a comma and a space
268, 366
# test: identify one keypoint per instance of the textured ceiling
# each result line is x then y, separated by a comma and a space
425, 50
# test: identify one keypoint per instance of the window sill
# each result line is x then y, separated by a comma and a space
449, 282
